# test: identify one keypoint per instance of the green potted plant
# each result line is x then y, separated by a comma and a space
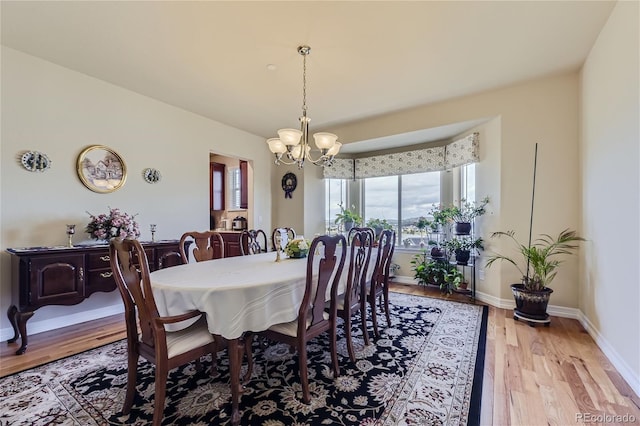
378, 225
422, 223
437, 252
441, 216
464, 215
462, 248
538, 264
452, 280
348, 218
429, 271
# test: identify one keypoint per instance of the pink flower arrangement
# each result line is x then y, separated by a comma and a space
112, 225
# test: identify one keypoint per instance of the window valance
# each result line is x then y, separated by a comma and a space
457, 153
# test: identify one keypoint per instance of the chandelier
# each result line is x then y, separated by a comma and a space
292, 145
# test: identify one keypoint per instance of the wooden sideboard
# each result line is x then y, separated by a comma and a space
43, 276
231, 244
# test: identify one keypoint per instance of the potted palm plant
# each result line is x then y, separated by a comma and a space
538, 264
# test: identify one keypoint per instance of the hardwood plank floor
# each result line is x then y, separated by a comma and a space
532, 376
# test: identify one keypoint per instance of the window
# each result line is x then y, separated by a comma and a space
335, 194
401, 200
381, 199
468, 182
235, 186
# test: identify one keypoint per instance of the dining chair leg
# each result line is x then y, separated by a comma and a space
132, 374
386, 305
363, 320
304, 373
334, 350
374, 319
162, 372
347, 333
214, 358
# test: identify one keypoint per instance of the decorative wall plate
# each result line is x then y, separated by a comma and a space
35, 161
151, 175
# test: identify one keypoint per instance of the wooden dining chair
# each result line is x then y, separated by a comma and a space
312, 318
208, 245
353, 299
286, 235
165, 349
378, 286
253, 241
355, 229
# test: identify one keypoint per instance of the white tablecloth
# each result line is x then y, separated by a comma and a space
238, 294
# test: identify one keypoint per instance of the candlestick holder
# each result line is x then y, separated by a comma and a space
277, 240
71, 229
153, 232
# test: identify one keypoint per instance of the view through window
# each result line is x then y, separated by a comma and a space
401, 200
335, 194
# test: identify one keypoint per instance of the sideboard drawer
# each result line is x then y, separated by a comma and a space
100, 280
99, 260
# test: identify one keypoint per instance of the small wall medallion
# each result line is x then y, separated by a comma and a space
151, 175
35, 161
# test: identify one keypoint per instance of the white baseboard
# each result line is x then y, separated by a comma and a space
35, 327
621, 366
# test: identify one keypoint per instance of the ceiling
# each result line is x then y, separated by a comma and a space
237, 62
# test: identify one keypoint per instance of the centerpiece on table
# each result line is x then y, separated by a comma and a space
297, 248
113, 224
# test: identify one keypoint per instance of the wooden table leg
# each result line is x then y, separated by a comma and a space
234, 367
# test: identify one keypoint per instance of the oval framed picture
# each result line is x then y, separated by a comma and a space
101, 169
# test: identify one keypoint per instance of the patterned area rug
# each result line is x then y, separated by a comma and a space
425, 370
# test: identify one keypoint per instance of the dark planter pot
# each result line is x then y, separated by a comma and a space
531, 305
437, 253
463, 228
347, 226
462, 256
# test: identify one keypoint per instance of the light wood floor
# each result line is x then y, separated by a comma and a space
533, 376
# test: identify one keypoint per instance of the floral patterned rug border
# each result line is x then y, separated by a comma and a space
426, 369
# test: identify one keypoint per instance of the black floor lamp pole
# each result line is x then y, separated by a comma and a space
533, 195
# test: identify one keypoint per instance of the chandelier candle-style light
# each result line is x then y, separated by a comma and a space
295, 143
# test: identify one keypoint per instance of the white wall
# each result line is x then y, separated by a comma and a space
52, 109
544, 111
610, 294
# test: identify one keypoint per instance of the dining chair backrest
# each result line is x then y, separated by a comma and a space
285, 234
353, 299
319, 280
355, 229
207, 245
359, 257
386, 247
253, 241
130, 269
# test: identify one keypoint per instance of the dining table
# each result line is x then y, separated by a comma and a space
237, 295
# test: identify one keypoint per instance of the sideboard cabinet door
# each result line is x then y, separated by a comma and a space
56, 280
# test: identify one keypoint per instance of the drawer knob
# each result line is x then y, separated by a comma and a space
105, 258
106, 274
